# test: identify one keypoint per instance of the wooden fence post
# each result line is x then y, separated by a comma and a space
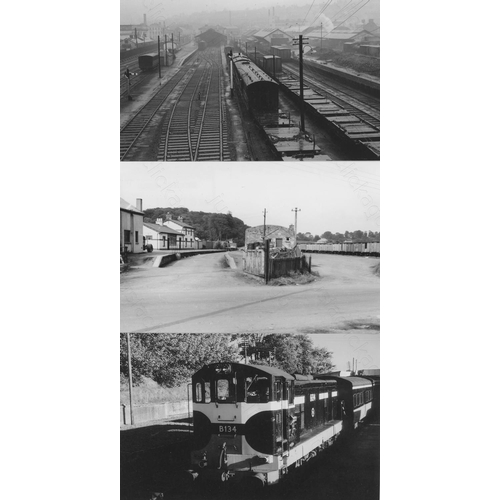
309, 264
266, 260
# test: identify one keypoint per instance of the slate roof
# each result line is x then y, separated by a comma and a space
127, 207
162, 229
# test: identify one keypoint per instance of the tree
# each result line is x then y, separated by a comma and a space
316, 238
292, 353
170, 359
328, 235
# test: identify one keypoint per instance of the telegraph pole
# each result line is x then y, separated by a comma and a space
301, 66
173, 51
130, 379
166, 56
159, 58
296, 210
264, 224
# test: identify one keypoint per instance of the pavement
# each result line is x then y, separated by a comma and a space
201, 295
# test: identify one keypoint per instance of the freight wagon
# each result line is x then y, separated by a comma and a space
148, 62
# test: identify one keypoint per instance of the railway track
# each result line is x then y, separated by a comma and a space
134, 128
195, 128
350, 100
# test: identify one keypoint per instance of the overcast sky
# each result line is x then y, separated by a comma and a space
364, 347
332, 196
131, 11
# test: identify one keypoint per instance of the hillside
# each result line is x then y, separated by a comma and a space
208, 225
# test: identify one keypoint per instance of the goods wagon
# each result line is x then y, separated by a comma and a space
148, 62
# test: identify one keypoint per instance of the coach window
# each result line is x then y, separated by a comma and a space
207, 392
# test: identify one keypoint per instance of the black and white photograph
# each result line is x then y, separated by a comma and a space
249, 295
254, 416
242, 336
238, 81
250, 312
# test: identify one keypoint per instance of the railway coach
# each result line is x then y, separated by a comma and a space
259, 91
254, 425
148, 62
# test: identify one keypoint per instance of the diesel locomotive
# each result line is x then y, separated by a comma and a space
253, 425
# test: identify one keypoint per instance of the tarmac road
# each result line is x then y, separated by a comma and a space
198, 295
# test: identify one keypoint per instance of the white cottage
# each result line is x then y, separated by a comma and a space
162, 237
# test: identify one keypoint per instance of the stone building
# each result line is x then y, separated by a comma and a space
279, 236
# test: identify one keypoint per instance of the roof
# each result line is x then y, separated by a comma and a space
270, 370
356, 382
267, 32
161, 229
127, 207
335, 35
270, 228
250, 73
183, 224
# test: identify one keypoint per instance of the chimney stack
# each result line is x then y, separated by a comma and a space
168, 216
138, 204
159, 221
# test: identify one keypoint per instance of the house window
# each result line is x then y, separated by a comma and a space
126, 236
279, 242
137, 236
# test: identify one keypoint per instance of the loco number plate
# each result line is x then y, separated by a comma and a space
227, 429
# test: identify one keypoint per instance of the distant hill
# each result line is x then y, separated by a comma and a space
208, 226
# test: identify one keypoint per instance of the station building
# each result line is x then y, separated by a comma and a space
131, 224
162, 237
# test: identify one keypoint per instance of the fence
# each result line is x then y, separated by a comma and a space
284, 266
253, 262
278, 264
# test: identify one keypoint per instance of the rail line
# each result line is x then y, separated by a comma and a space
133, 129
364, 111
195, 128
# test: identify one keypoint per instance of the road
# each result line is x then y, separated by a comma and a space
199, 295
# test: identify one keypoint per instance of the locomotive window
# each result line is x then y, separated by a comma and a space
312, 397
199, 393
225, 390
207, 392
257, 389
277, 390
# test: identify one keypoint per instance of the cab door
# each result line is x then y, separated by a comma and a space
278, 418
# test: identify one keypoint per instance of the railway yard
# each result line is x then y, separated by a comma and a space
191, 113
